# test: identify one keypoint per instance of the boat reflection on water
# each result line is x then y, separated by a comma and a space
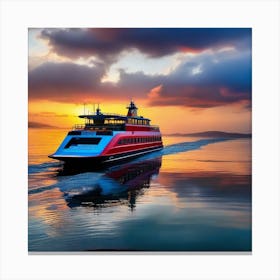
119, 185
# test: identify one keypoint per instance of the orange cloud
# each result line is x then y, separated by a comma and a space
155, 92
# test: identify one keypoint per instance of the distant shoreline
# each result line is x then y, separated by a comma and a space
214, 134
38, 125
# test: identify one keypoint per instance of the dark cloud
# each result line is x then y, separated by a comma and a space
220, 81
107, 43
67, 82
63, 81
203, 81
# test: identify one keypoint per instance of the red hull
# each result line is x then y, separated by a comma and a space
131, 127
134, 142
129, 148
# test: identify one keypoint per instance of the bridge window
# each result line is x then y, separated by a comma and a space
82, 141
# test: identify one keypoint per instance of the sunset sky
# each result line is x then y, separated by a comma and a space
183, 79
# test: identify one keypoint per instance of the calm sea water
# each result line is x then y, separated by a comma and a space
194, 195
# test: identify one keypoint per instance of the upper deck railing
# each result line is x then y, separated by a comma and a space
99, 127
109, 126
90, 116
105, 114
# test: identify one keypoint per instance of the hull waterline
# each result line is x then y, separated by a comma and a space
100, 161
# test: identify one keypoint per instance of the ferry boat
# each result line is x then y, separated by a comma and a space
109, 138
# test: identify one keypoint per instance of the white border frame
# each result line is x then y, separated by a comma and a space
18, 16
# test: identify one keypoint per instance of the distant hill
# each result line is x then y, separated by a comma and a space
214, 134
39, 125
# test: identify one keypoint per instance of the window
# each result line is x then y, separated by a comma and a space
82, 141
74, 133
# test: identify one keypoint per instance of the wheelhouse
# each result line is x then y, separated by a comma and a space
116, 122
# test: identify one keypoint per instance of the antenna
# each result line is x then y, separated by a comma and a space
85, 112
98, 110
